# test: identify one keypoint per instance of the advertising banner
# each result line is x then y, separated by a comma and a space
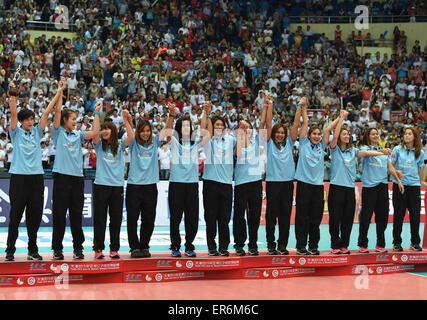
47, 205
162, 212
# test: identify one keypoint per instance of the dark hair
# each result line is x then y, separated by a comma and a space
65, 114
140, 126
113, 142
25, 114
350, 143
216, 118
366, 141
274, 130
178, 129
417, 141
312, 128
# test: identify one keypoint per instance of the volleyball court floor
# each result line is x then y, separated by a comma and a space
399, 286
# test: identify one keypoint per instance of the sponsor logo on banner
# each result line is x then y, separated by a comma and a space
31, 281
382, 257
399, 268
292, 261
278, 261
275, 273
266, 274
252, 274
148, 278
302, 261
189, 264
213, 263
159, 277
38, 267
292, 271
182, 275
19, 282
356, 270
379, 270
107, 266
164, 263
178, 264
6, 281
394, 258
133, 278
327, 260
417, 258
404, 258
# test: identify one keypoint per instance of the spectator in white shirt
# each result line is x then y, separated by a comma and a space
176, 87
273, 82
117, 120
72, 83
2, 159
165, 161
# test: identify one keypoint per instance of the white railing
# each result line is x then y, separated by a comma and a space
352, 19
51, 26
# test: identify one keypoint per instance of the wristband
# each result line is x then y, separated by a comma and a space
299, 105
99, 113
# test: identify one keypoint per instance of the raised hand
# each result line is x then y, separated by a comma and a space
243, 125
344, 114
304, 102
62, 83
12, 89
173, 109
126, 116
98, 106
207, 106
267, 101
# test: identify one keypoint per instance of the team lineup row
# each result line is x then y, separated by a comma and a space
404, 163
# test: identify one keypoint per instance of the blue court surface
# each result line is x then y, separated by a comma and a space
160, 239
423, 274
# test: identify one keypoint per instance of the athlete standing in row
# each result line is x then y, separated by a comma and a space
26, 189
217, 182
310, 186
68, 179
108, 185
279, 179
141, 190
